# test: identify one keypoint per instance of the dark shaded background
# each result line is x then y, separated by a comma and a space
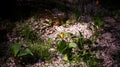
13, 8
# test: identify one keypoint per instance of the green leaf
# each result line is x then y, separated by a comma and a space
72, 44
75, 40
98, 21
81, 36
25, 52
65, 57
61, 46
88, 41
80, 43
15, 48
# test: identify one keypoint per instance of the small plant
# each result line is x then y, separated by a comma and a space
19, 52
65, 48
40, 49
28, 33
86, 54
76, 50
25, 31
76, 13
81, 41
98, 21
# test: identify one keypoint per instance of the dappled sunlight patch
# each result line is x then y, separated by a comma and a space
73, 29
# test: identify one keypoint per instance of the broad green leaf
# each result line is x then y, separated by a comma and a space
72, 44
61, 46
25, 52
15, 48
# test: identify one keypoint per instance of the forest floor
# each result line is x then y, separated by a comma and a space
51, 25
